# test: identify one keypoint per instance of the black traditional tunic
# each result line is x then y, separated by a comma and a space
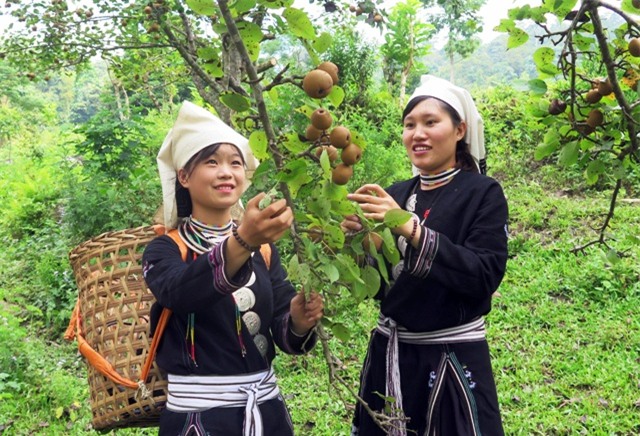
446, 282
202, 337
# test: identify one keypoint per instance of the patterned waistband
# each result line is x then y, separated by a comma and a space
199, 393
470, 332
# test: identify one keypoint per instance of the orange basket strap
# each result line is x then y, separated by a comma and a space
70, 333
265, 250
97, 361
162, 323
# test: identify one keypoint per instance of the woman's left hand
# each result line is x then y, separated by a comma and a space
305, 313
374, 201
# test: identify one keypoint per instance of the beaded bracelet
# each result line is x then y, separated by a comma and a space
415, 229
242, 242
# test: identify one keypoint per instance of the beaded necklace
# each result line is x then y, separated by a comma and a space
200, 237
433, 180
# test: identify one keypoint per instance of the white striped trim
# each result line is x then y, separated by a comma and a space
198, 393
470, 332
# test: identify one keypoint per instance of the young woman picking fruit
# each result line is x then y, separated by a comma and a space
230, 303
429, 351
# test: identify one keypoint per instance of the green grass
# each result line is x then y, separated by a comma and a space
564, 335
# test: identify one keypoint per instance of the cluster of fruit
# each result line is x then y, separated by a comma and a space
595, 118
318, 84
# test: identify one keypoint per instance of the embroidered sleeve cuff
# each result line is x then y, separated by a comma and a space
222, 283
296, 344
418, 260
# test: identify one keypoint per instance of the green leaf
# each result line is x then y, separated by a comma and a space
334, 236
214, 68
543, 56
299, 23
593, 171
543, 150
323, 42
258, 144
295, 175
583, 42
371, 278
349, 271
251, 37
276, 4
560, 7
208, 53
343, 207
235, 101
341, 332
396, 217
389, 248
334, 192
293, 143
505, 25
612, 257
331, 272
59, 412
325, 164
336, 96
243, 6
202, 7
274, 94
263, 175
517, 37
569, 154
305, 110
538, 86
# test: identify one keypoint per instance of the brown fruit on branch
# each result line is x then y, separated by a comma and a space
593, 96
377, 18
315, 233
370, 238
341, 174
634, 47
147, 10
340, 137
153, 28
556, 107
332, 152
636, 3
331, 69
317, 83
321, 119
604, 86
351, 154
595, 118
312, 134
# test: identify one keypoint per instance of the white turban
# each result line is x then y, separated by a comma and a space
195, 129
459, 99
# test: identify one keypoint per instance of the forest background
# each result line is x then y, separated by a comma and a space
80, 128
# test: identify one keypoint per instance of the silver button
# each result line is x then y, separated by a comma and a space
245, 299
252, 321
261, 344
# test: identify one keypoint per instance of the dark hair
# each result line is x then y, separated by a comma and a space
183, 199
464, 160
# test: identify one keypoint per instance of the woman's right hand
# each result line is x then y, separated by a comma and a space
351, 224
262, 226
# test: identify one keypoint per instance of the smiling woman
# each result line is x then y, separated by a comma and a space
229, 301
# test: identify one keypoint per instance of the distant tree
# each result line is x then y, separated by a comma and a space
585, 97
405, 42
460, 21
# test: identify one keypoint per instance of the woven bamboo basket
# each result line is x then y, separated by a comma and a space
114, 310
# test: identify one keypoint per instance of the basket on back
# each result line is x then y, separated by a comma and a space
111, 324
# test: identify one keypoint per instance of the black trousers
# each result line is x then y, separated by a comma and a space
447, 389
226, 421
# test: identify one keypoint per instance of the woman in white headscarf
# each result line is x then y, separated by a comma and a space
223, 281
429, 351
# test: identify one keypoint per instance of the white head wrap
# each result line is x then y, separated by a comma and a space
459, 99
194, 129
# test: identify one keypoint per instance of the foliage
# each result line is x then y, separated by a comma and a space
460, 20
589, 113
406, 41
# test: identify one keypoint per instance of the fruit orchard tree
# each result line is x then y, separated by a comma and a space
405, 42
461, 22
586, 93
220, 44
